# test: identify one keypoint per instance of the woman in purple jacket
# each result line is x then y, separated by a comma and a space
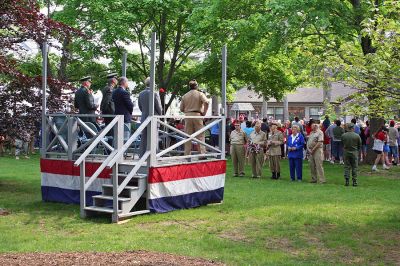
295, 144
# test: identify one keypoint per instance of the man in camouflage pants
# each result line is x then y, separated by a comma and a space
351, 145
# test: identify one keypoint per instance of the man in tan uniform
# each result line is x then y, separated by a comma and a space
194, 103
315, 144
275, 141
256, 150
238, 138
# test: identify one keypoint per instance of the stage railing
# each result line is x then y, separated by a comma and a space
68, 136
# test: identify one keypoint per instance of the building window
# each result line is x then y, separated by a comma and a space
279, 113
314, 112
270, 112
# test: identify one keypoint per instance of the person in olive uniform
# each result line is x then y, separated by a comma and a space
107, 104
84, 100
194, 103
315, 145
256, 146
275, 141
351, 145
238, 139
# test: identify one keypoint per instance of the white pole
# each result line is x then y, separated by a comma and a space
44, 105
152, 132
223, 102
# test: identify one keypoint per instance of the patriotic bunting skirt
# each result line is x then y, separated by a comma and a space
173, 187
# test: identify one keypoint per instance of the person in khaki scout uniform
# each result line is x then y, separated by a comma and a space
256, 150
275, 141
194, 103
351, 145
315, 145
238, 138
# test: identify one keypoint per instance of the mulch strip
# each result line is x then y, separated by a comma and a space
101, 258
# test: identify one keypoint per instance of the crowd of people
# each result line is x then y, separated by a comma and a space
257, 142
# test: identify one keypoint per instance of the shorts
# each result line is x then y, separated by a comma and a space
378, 152
364, 148
393, 151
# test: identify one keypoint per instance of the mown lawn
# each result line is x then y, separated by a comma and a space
261, 222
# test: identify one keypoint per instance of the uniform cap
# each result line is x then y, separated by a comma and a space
350, 125
112, 75
87, 78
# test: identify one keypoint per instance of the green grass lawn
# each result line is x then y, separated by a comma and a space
261, 222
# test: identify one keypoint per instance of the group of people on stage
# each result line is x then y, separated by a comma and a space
261, 142
117, 101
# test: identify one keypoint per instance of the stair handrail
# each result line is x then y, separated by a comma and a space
128, 143
96, 141
132, 172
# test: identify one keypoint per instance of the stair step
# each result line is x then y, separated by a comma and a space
100, 209
133, 213
127, 187
138, 176
110, 198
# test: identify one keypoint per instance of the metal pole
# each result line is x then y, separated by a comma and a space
152, 132
44, 105
223, 102
124, 59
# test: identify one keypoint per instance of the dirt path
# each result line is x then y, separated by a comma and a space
97, 258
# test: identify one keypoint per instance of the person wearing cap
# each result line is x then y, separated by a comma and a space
107, 104
315, 145
194, 103
351, 147
275, 140
255, 148
144, 107
84, 100
238, 139
123, 104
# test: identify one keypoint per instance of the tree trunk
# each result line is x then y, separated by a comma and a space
214, 106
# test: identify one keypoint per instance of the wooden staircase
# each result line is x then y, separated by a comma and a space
132, 198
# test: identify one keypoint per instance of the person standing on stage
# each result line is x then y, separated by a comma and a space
84, 100
238, 139
143, 101
255, 148
123, 104
275, 140
315, 148
351, 145
194, 103
107, 104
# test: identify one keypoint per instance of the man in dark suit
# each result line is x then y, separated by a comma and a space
84, 100
144, 108
123, 104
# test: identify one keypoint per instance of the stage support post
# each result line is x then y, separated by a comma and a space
285, 109
223, 103
124, 64
44, 106
152, 135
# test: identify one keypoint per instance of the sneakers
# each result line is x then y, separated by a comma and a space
332, 161
241, 174
355, 182
16, 157
385, 167
235, 175
341, 162
374, 168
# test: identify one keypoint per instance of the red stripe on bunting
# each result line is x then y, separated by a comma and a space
186, 171
61, 167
